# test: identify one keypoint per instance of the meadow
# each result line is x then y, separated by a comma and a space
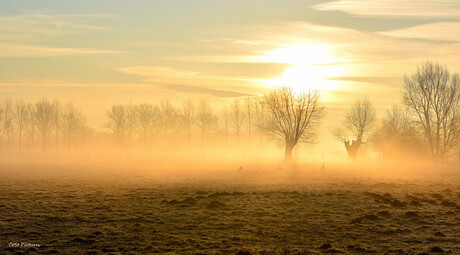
61, 209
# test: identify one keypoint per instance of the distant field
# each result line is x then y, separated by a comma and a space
92, 211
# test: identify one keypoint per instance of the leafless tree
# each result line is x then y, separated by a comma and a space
433, 96
73, 120
130, 123
117, 122
44, 116
188, 114
396, 121
8, 117
21, 116
147, 118
396, 134
293, 117
205, 118
31, 122
57, 121
226, 119
249, 105
170, 120
356, 126
260, 113
237, 118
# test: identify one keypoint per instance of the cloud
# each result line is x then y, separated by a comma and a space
296, 42
369, 57
394, 8
36, 26
439, 31
368, 79
204, 90
21, 50
157, 72
188, 81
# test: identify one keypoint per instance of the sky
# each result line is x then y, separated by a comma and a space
97, 53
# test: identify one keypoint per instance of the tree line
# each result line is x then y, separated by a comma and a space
45, 124
148, 125
426, 122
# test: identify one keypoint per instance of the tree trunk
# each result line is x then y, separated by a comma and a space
288, 152
352, 148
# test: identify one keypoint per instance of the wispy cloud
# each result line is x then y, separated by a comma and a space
189, 81
157, 72
439, 31
35, 26
303, 42
372, 57
33, 33
204, 90
22, 50
395, 8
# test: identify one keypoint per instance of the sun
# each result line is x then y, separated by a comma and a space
307, 77
311, 67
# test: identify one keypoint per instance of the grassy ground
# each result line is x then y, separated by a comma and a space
92, 211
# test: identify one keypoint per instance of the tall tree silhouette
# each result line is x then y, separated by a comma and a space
73, 120
188, 115
293, 117
44, 116
117, 122
57, 121
8, 117
432, 94
356, 127
21, 116
147, 118
205, 118
237, 118
226, 119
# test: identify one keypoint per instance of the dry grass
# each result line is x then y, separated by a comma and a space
93, 211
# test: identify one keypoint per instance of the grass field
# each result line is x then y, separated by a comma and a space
73, 210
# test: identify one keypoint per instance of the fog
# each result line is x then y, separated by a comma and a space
197, 138
163, 178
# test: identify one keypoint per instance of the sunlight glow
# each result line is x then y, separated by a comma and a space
311, 66
306, 54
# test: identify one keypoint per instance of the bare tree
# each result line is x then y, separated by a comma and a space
21, 116
433, 96
205, 118
170, 120
396, 135
117, 122
73, 120
248, 105
31, 122
44, 116
396, 121
188, 114
57, 121
147, 116
8, 117
260, 116
294, 117
356, 126
237, 118
226, 119
130, 123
